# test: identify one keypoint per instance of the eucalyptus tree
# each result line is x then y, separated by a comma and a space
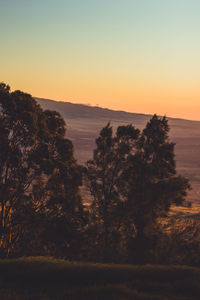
104, 174
38, 173
151, 184
132, 178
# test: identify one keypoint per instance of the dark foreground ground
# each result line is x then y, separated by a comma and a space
47, 278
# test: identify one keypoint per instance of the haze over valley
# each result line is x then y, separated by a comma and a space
84, 123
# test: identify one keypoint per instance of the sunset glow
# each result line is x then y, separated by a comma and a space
134, 55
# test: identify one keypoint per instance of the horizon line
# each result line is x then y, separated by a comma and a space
116, 110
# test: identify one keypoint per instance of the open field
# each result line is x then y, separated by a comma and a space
47, 279
84, 123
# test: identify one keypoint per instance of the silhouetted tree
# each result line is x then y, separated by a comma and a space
151, 185
39, 177
133, 180
104, 175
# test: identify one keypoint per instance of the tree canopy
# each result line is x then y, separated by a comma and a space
38, 172
133, 180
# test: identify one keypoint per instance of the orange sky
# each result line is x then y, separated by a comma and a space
135, 55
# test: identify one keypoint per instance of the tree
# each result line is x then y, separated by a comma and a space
104, 175
132, 178
151, 185
38, 173
59, 189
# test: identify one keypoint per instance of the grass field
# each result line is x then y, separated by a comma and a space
47, 278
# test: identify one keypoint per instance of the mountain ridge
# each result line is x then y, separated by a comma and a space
107, 110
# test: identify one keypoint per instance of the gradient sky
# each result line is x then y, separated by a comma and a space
134, 55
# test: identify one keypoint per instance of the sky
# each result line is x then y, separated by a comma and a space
134, 55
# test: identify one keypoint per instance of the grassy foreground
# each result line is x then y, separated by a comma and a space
47, 278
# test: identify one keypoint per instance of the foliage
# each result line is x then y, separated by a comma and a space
133, 180
39, 177
104, 174
151, 185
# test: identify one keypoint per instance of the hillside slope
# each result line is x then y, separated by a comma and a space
84, 123
48, 279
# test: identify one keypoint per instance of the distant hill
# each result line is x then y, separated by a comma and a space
84, 123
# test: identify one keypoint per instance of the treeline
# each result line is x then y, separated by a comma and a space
132, 182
